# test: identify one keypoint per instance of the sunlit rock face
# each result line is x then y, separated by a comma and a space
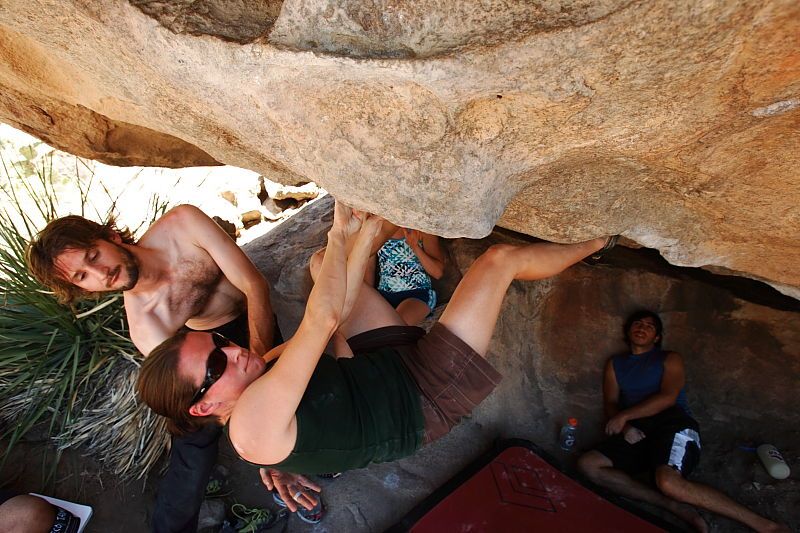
673, 123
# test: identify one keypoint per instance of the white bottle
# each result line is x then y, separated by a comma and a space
773, 461
569, 433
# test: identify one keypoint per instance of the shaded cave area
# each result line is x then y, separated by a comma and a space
242, 21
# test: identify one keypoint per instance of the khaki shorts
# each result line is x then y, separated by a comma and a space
452, 378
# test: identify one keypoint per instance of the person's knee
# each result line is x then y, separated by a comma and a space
670, 482
315, 263
590, 463
28, 513
496, 256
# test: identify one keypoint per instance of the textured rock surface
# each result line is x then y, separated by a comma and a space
675, 123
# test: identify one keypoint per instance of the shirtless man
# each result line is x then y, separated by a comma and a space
183, 271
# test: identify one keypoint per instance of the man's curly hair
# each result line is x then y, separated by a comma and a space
71, 232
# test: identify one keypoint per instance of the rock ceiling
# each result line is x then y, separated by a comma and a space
675, 123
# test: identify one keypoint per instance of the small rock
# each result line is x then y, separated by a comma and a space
252, 217
212, 514
229, 196
273, 210
303, 192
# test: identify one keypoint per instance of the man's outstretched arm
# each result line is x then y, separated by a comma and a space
239, 270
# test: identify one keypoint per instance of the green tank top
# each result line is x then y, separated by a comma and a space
356, 411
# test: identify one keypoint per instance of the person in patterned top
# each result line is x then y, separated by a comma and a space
404, 266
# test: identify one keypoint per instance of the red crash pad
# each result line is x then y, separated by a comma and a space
517, 491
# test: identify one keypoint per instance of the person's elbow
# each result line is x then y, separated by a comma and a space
670, 398
435, 270
256, 285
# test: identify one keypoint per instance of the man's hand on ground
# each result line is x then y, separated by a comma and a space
292, 488
633, 435
616, 424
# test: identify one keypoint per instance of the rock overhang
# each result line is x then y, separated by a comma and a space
675, 125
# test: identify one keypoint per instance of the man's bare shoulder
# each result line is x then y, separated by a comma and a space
176, 221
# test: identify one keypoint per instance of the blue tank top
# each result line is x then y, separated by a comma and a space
639, 377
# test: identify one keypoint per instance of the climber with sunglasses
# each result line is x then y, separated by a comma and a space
402, 388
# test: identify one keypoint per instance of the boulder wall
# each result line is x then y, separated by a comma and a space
675, 124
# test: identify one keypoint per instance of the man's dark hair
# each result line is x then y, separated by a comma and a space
71, 232
638, 315
166, 391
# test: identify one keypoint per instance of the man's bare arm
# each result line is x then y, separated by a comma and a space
146, 330
239, 270
610, 390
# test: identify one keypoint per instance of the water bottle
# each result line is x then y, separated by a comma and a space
569, 433
773, 461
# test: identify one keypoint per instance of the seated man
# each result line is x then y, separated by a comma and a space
651, 428
311, 413
184, 271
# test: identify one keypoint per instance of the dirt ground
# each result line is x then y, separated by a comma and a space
353, 498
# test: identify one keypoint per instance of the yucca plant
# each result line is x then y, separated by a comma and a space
66, 371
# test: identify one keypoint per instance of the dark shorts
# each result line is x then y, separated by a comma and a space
426, 296
452, 378
671, 438
238, 331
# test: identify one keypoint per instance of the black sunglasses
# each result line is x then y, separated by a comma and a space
215, 366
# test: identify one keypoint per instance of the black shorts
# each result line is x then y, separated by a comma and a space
671, 438
238, 331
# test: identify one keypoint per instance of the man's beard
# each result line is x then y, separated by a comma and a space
131, 266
